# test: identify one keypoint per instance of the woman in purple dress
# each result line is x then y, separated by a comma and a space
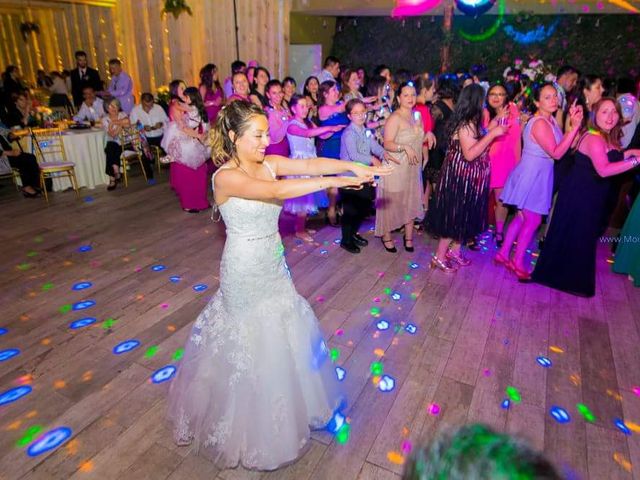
211, 91
279, 117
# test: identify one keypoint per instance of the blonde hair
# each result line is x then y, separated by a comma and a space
235, 118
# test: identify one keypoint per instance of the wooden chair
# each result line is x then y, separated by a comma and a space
52, 158
132, 151
157, 155
14, 175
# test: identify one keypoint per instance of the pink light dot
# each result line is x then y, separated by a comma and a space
636, 390
376, 300
320, 298
433, 409
381, 274
585, 8
164, 305
339, 332
487, 372
137, 269
406, 446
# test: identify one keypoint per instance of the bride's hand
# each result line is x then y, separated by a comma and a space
366, 170
353, 183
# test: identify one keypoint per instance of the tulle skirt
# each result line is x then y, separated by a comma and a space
184, 149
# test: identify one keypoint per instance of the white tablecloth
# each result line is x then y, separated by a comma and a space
85, 148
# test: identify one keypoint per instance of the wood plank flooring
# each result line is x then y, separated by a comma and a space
478, 332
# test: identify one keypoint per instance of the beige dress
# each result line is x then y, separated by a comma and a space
399, 195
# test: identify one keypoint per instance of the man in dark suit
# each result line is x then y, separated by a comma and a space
83, 76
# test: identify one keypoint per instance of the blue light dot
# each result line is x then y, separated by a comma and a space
414, 266
83, 322
396, 296
544, 362
126, 346
337, 241
323, 252
386, 383
201, 287
82, 286
85, 248
340, 373
158, 268
505, 404
163, 374
382, 325
336, 422
175, 279
88, 199
83, 305
560, 415
14, 394
411, 328
620, 425
50, 440
8, 354
3, 331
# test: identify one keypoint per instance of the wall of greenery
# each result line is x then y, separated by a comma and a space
604, 44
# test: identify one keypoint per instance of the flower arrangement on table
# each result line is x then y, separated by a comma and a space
535, 70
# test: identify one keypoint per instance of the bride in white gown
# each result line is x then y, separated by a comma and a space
256, 376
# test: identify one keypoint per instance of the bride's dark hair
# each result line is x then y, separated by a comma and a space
235, 118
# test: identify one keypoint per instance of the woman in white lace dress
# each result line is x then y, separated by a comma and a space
256, 376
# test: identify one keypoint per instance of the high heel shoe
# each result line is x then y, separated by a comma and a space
499, 236
522, 275
384, 244
29, 194
500, 260
459, 258
406, 247
437, 264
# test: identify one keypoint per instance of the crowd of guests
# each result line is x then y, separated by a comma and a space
465, 152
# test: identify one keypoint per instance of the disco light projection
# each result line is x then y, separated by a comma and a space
126, 346
83, 322
24, 266
505, 404
411, 328
560, 415
29, 435
83, 305
335, 354
342, 436
376, 369
395, 457
382, 325
85, 248
175, 278
375, 311
108, 323
88, 199
386, 383
433, 409
163, 374
413, 266
14, 394
323, 252
47, 286
544, 362
555, 349
586, 413
337, 241
407, 278
620, 425
336, 423
636, 391
151, 351
201, 287
536, 35
8, 354
387, 291
82, 286
158, 268
340, 373
49, 441
3, 331
396, 296
32, 253
178, 354
513, 394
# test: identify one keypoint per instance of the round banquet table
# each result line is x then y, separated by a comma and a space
85, 148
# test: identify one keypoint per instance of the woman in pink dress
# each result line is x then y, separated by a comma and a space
279, 117
240, 87
504, 151
183, 142
211, 91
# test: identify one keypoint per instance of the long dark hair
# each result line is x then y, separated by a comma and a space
396, 101
206, 77
323, 90
196, 101
254, 85
468, 109
492, 111
173, 88
295, 99
305, 89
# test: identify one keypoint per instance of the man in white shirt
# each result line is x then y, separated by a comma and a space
151, 117
92, 108
331, 70
121, 85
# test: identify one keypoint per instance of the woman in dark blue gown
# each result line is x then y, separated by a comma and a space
568, 260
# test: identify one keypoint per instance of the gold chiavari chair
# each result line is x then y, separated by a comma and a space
132, 151
52, 159
14, 175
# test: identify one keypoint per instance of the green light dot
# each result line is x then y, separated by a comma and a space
335, 354
65, 308
178, 354
342, 436
407, 277
375, 311
513, 394
586, 413
47, 286
151, 351
108, 323
377, 368
24, 266
387, 291
29, 435
32, 253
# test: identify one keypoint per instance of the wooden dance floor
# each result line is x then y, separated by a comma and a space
89, 402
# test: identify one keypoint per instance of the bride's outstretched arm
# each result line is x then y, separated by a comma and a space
284, 166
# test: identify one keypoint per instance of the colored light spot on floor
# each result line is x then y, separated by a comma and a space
47, 286
585, 412
83, 305
38, 239
615, 395
376, 300
387, 291
201, 287
108, 323
67, 263
339, 332
559, 414
620, 425
622, 461
634, 427
387, 383
544, 362
49, 441
151, 351
433, 409
506, 403
334, 354
163, 374
320, 298
575, 379
13, 426
13, 394
406, 447
58, 384
376, 368
171, 328
486, 372
45, 341
88, 199
342, 436
556, 349
24, 379
380, 274
8, 354
29, 435
126, 346
396, 296
395, 457
3, 331
414, 266
164, 305
87, 376
158, 268
636, 390
340, 373
178, 354
513, 394
32, 253
86, 466
85, 248
379, 352
382, 325
81, 286
24, 266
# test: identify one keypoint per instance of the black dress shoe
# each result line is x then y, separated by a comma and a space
390, 250
350, 248
407, 248
359, 240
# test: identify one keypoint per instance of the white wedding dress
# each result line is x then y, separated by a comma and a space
256, 375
